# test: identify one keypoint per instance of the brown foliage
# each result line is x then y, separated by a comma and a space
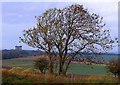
114, 67
41, 64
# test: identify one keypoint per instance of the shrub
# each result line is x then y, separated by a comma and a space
114, 67
41, 64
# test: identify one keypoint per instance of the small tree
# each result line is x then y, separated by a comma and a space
114, 67
41, 64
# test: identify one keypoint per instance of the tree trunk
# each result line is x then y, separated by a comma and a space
60, 68
67, 66
50, 68
50, 65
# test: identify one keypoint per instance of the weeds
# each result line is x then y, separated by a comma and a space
17, 74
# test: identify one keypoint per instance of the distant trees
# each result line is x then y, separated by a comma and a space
69, 30
114, 67
41, 64
9, 54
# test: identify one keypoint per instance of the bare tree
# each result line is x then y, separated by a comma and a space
69, 30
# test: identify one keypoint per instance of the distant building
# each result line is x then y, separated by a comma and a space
18, 48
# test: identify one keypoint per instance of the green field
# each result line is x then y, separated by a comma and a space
88, 69
73, 68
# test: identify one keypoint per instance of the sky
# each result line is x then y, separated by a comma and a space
18, 16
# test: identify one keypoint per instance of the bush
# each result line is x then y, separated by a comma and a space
41, 64
114, 67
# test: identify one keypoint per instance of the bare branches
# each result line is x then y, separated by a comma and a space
72, 29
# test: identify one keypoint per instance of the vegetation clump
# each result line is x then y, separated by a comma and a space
41, 64
28, 70
114, 67
16, 69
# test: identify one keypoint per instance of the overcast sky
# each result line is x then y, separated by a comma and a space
17, 16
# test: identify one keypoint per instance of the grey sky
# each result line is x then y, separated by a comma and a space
17, 16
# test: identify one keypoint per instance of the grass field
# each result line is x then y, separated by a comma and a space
88, 69
22, 71
83, 69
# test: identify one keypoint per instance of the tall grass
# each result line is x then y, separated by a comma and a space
38, 77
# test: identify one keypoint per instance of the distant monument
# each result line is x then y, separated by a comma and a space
18, 48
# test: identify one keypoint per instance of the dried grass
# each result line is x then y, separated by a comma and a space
48, 78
